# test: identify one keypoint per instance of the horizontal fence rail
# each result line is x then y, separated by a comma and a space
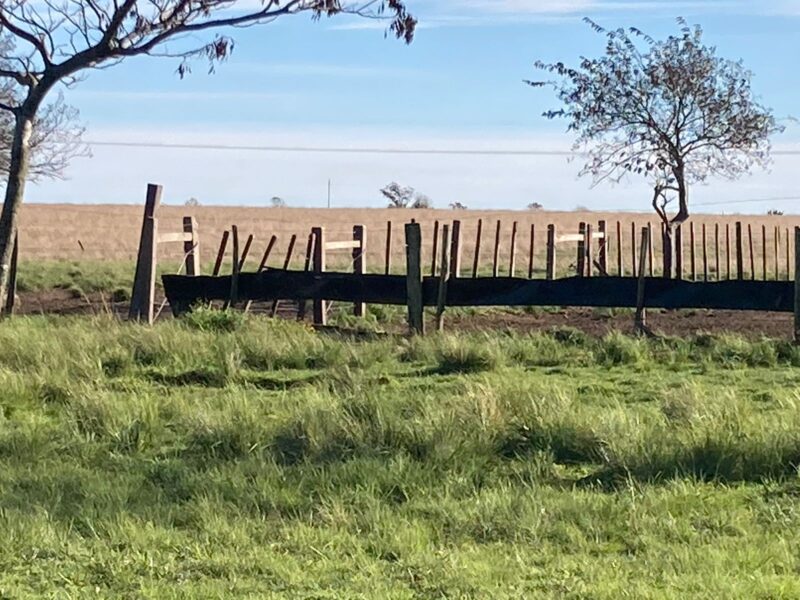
184, 291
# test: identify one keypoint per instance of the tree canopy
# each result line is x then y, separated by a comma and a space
670, 110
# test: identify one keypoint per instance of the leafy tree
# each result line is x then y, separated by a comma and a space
422, 201
535, 206
53, 42
775, 212
458, 206
277, 202
192, 202
670, 110
398, 196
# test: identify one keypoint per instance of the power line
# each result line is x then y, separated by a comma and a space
751, 200
357, 150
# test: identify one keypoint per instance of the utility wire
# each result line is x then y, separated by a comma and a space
357, 150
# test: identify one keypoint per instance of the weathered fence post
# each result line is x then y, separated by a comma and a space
777, 241
739, 252
705, 254
435, 248
692, 264
191, 246
788, 245
650, 248
750, 244
716, 252
444, 276
602, 252
531, 253
360, 262
235, 266
620, 265
580, 262
764, 251
587, 250
678, 252
640, 323
550, 267
144, 282
11, 299
388, 258
496, 257
796, 284
223, 246
476, 258
455, 249
512, 263
263, 264
318, 266
416, 321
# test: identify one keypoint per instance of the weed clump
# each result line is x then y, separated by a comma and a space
210, 319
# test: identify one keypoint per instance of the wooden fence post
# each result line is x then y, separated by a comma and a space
777, 241
705, 254
144, 282
444, 276
263, 264
318, 266
455, 249
580, 262
796, 285
360, 262
750, 244
245, 252
512, 263
679, 252
764, 251
223, 246
496, 258
416, 321
435, 248
640, 323
650, 248
388, 259
11, 299
550, 267
602, 252
235, 266
620, 265
633, 249
531, 251
716, 252
191, 247
727, 250
739, 252
476, 258
788, 245
587, 250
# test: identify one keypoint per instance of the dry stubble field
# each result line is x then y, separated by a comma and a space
110, 232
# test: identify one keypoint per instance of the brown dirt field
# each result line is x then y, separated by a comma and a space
110, 232
594, 322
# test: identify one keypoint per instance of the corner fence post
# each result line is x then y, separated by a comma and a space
144, 282
416, 321
796, 285
360, 262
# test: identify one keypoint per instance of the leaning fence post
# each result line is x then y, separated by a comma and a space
191, 246
235, 267
797, 285
12, 279
444, 276
640, 324
414, 278
301, 307
455, 249
496, 259
144, 283
550, 267
360, 262
318, 266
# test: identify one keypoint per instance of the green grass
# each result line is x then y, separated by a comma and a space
223, 456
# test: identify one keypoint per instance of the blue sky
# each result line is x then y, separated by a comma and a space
339, 83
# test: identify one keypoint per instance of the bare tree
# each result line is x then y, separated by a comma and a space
458, 206
535, 206
671, 110
54, 42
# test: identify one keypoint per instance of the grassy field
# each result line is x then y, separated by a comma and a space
221, 457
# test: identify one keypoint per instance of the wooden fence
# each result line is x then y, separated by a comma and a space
591, 284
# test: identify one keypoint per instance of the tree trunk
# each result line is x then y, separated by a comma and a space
668, 250
15, 192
